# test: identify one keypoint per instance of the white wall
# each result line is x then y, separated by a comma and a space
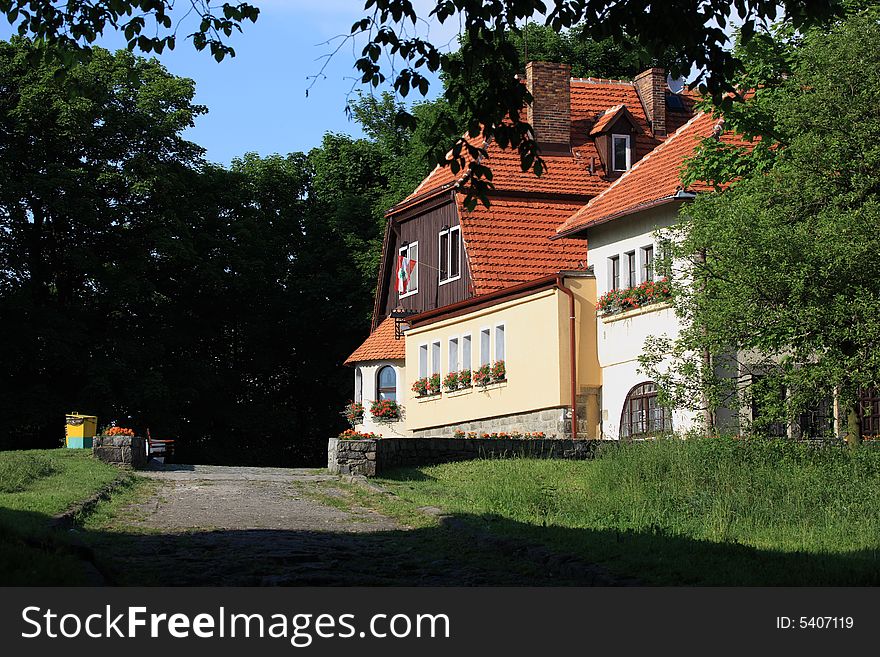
369, 372
621, 338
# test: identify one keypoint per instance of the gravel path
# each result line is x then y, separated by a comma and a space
240, 526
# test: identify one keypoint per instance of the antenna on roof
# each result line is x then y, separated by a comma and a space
675, 84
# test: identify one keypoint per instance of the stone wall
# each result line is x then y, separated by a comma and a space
372, 457
553, 422
121, 450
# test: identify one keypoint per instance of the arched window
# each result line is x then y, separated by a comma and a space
358, 385
642, 415
387, 383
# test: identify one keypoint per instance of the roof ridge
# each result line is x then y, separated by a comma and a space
592, 80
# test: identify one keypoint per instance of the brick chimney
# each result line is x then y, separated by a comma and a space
550, 111
651, 87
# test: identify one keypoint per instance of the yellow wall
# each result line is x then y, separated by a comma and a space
536, 357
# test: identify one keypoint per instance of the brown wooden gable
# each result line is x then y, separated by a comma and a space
422, 224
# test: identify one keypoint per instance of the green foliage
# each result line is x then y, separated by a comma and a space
785, 289
178, 296
488, 53
707, 511
18, 470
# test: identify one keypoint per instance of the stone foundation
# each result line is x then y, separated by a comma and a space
552, 422
121, 450
372, 457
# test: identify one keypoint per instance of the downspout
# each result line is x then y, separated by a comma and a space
572, 354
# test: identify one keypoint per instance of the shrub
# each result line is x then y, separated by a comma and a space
450, 381
483, 376
385, 409
353, 413
499, 373
118, 431
420, 387
616, 301
351, 434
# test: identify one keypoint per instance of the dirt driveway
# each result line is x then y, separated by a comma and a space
240, 526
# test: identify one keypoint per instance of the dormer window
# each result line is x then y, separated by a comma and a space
620, 153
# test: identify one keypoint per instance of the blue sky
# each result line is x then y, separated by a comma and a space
257, 100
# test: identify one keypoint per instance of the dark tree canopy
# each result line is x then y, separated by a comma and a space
693, 30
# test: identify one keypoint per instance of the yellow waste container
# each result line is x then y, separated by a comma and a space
80, 430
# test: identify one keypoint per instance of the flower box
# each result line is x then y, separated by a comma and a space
649, 292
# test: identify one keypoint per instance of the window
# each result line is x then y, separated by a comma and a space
499, 342
387, 383
450, 254
358, 385
484, 346
408, 273
648, 263
453, 355
465, 352
631, 280
423, 361
818, 420
620, 153
642, 416
614, 273
435, 358
869, 411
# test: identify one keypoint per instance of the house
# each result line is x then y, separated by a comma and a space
522, 317
514, 287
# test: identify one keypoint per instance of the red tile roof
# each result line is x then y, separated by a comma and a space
654, 178
606, 119
569, 175
508, 243
380, 345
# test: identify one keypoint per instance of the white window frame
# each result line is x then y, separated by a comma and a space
467, 364
448, 232
486, 358
404, 251
358, 384
614, 163
632, 274
503, 327
644, 272
455, 340
613, 260
436, 350
423, 349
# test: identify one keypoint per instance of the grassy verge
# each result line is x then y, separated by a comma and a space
715, 512
34, 486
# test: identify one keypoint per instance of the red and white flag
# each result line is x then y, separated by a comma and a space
405, 268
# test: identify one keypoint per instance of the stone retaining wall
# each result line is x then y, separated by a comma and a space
552, 422
372, 457
121, 450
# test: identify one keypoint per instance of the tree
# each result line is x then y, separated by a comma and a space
787, 278
682, 26
83, 162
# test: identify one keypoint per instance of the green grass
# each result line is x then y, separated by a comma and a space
718, 511
19, 470
34, 486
